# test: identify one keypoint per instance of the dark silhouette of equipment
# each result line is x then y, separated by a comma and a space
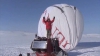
46, 46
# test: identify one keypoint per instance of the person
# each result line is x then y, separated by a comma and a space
48, 24
35, 35
20, 54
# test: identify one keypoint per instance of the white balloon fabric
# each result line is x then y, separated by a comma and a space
68, 25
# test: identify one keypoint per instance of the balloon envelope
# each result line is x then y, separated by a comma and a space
67, 26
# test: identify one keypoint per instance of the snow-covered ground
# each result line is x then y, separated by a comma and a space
89, 45
12, 43
14, 50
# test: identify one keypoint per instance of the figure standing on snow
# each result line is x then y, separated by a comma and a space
48, 24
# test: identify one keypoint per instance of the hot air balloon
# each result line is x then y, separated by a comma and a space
67, 27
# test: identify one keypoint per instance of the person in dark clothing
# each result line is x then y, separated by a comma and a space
35, 35
20, 54
48, 24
